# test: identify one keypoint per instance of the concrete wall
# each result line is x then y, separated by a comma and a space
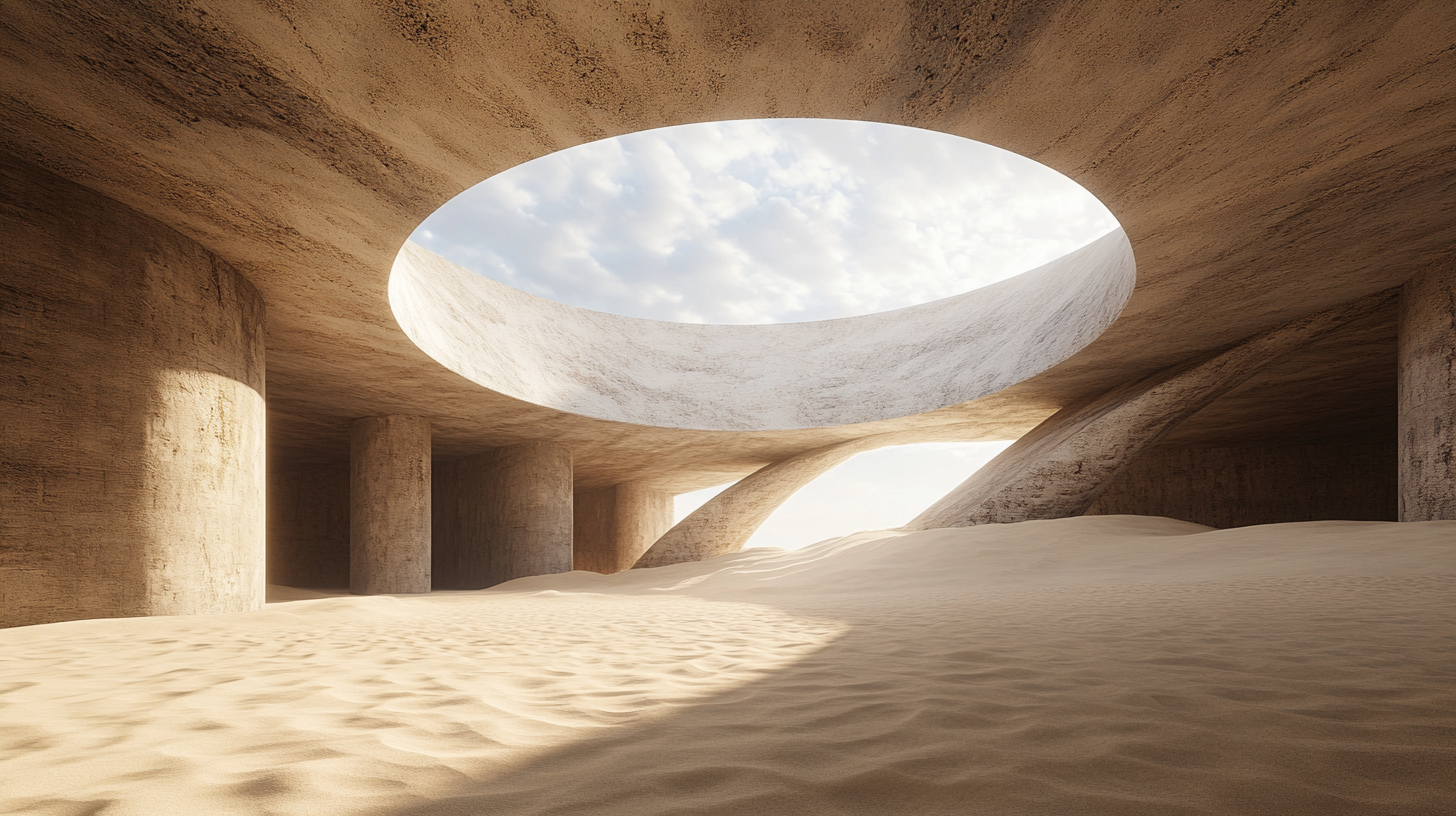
612, 527
132, 413
501, 515
308, 526
1237, 487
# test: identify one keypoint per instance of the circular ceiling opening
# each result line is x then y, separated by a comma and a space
883, 262
765, 221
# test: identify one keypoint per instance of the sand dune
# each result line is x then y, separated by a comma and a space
1109, 664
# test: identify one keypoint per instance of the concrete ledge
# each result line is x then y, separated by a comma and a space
760, 378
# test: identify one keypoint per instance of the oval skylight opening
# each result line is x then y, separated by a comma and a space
765, 221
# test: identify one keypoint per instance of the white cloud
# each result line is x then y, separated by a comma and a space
872, 491
765, 221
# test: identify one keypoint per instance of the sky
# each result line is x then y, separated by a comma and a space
775, 221
765, 221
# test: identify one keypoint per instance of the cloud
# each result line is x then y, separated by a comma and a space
765, 221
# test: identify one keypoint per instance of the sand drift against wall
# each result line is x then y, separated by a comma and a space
1111, 664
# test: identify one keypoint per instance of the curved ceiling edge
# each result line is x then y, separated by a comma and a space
784, 376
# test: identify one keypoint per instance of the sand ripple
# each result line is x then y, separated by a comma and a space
1098, 665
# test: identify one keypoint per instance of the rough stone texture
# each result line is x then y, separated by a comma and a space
1062, 466
1428, 396
725, 522
760, 378
308, 526
502, 515
389, 505
613, 526
131, 413
1238, 487
1265, 159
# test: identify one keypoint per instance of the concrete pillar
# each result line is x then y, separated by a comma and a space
389, 505
503, 514
1427, 435
131, 413
613, 526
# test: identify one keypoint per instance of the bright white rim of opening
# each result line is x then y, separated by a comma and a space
770, 377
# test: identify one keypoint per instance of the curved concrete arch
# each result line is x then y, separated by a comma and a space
1062, 466
725, 523
760, 378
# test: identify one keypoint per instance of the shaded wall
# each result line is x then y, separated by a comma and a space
308, 526
501, 515
1237, 487
131, 413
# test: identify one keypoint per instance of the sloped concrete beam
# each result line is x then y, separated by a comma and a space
389, 505
1064, 464
613, 526
726, 522
1427, 397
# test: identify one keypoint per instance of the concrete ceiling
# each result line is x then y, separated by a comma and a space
1266, 159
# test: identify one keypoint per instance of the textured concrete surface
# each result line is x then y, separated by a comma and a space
502, 515
613, 526
1265, 159
1428, 396
1062, 466
389, 505
131, 413
760, 378
1239, 487
308, 526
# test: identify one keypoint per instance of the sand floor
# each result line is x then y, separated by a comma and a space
1098, 665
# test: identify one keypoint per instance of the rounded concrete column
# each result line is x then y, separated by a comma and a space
389, 505
503, 514
131, 414
1427, 396
532, 509
614, 525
